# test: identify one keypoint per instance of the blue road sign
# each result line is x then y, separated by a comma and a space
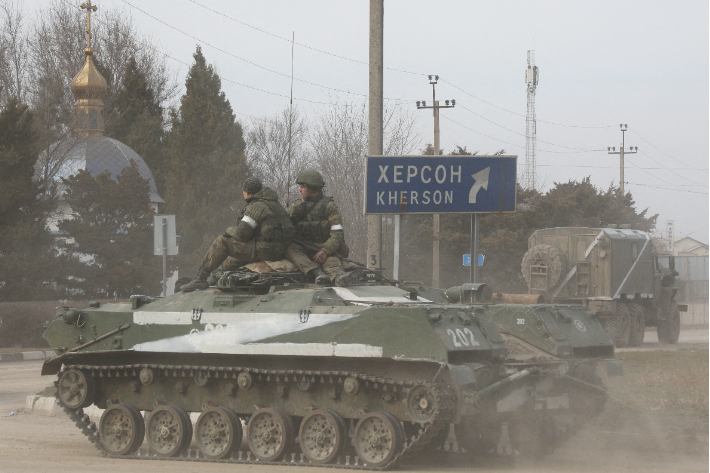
467, 260
440, 184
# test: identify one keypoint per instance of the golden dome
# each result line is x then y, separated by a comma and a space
88, 83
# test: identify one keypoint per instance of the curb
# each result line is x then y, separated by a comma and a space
50, 406
27, 356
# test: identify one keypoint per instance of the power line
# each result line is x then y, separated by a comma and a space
653, 146
667, 188
522, 134
241, 58
299, 44
519, 146
520, 114
682, 177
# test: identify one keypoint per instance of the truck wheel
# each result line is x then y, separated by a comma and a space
544, 255
619, 326
669, 329
638, 325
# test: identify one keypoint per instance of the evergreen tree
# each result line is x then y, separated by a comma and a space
138, 118
27, 257
110, 235
206, 166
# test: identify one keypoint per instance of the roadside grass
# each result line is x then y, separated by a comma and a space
674, 381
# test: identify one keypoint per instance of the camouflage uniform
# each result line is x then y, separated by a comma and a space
317, 221
263, 234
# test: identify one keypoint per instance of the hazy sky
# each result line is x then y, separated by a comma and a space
602, 63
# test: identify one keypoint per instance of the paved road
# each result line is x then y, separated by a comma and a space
32, 443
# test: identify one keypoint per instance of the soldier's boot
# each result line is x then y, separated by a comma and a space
199, 283
344, 279
319, 276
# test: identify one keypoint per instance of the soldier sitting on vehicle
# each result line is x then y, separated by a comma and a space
264, 233
319, 230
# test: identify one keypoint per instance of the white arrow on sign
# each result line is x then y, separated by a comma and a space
480, 180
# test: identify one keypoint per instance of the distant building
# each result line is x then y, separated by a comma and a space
687, 246
88, 148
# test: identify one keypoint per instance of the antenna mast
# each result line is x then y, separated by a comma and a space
531, 78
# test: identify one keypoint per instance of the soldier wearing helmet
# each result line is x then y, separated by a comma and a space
264, 233
317, 223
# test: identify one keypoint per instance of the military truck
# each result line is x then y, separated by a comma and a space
615, 271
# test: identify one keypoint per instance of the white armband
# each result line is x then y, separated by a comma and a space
336, 227
249, 221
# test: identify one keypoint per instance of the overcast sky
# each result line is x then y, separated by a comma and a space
602, 63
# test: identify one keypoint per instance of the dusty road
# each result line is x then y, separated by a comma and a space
37, 443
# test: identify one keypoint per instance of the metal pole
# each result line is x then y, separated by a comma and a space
623, 143
397, 233
165, 255
470, 249
374, 142
435, 222
474, 255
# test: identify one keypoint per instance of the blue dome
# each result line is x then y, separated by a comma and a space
96, 154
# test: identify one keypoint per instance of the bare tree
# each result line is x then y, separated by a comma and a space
268, 151
13, 58
339, 145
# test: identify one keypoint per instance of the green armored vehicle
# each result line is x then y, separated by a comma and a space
613, 270
277, 371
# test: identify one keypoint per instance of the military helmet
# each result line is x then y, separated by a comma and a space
311, 179
252, 185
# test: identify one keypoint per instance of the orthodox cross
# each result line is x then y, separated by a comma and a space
89, 8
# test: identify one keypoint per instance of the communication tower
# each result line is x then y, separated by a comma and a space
531, 78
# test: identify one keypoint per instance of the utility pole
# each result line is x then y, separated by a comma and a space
621, 152
435, 106
374, 136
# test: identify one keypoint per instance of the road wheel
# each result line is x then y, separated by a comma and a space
218, 432
619, 326
669, 329
169, 431
544, 255
269, 433
322, 436
121, 429
638, 325
378, 438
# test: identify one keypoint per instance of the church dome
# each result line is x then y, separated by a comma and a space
96, 154
88, 83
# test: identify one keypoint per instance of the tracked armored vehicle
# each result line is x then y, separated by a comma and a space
278, 371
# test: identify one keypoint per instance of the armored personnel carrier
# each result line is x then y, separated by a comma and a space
278, 371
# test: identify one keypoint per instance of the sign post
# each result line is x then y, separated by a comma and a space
400, 185
164, 241
441, 184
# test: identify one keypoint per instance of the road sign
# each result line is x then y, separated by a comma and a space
467, 260
164, 235
440, 184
